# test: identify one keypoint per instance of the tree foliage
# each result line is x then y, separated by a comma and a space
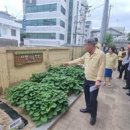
108, 40
128, 37
22, 36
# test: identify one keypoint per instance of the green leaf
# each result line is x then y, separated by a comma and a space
39, 123
36, 118
44, 119
48, 109
58, 109
55, 113
36, 114
31, 112
53, 105
22, 105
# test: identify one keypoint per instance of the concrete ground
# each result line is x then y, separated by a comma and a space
113, 111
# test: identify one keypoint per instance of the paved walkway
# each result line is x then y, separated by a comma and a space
113, 111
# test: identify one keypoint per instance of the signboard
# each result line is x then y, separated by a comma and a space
15, 124
0, 127
25, 58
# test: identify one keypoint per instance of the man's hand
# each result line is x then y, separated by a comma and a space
98, 83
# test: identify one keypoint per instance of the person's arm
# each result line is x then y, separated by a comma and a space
126, 60
98, 45
77, 61
119, 54
123, 61
116, 62
101, 69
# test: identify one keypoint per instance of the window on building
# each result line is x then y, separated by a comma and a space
62, 23
28, 9
40, 8
62, 36
4, 31
13, 32
41, 35
30, 1
63, 10
0, 31
41, 22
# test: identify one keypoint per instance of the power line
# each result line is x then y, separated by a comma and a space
95, 3
97, 7
116, 19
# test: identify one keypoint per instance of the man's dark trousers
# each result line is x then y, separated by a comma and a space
123, 68
128, 79
91, 97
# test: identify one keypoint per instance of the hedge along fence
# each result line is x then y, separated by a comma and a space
10, 73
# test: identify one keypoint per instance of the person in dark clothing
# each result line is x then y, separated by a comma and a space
128, 79
94, 64
128, 69
121, 55
124, 68
125, 64
116, 51
105, 48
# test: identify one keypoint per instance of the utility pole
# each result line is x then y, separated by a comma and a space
104, 25
76, 23
84, 20
24, 17
109, 15
85, 9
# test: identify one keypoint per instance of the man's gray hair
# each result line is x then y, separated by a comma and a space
90, 41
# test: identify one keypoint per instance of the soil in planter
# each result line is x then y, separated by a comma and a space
13, 114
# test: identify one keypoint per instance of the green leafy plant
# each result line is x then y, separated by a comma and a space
40, 101
68, 79
46, 94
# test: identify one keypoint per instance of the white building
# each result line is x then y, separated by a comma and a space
76, 21
9, 29
54, 22
95, 33
118, 33
45, 22
88, 28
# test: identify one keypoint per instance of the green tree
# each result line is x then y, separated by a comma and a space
22, 36
128, 37
108, 40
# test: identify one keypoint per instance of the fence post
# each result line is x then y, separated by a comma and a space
4, 75
47, 60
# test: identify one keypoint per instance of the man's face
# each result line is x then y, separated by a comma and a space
121, 49
110, 50
88, 47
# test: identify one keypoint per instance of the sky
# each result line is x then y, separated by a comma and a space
120, 12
